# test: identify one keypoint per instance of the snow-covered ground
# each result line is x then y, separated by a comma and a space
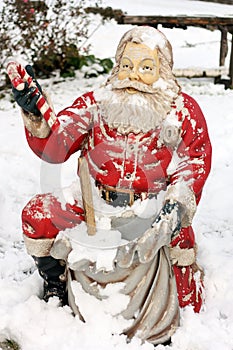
36, 325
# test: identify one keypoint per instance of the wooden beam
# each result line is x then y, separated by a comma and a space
200, 72
177, 21
224, 24
226, 2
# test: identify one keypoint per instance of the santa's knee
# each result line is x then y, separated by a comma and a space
37, 217
43, 218
37, 224
190, 288
189, 276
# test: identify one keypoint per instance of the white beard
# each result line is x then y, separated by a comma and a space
139, 112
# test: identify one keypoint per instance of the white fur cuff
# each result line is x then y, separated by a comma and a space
38, 247
182, 257
38, 128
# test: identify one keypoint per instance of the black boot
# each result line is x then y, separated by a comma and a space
167, 342
53, 273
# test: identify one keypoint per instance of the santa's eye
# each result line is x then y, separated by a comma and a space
147, 68
126, 64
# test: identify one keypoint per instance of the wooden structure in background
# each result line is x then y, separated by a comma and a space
224, 24
225, 2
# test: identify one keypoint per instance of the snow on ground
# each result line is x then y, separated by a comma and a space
36, 325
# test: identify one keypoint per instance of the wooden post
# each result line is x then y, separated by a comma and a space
223, 46
88, 206
231, 64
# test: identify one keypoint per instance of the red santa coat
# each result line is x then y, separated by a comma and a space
137, 162
177, 151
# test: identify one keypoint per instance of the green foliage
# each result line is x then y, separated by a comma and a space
106, 12
50, 37
93, 66
66, 61
70, 62
9, 344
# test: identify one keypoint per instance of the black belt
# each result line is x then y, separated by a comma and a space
121, 197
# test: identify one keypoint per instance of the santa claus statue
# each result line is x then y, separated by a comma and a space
148, 155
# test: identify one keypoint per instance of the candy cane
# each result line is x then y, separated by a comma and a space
18, 76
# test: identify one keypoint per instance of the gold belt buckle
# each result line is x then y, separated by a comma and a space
131, 198
130, 193
107, 189
107, 195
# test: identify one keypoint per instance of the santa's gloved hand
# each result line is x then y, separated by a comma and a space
169, 218
28, 97
30, 71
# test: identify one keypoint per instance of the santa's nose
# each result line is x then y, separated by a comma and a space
133, 76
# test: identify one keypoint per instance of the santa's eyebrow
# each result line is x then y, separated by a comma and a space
148, 59
127, 58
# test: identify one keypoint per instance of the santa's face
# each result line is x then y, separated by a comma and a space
134, 102
139, 63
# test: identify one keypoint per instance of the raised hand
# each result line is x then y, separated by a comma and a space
28, 94
26, 90
27, 98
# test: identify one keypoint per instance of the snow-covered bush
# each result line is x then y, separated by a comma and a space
92, 66
49, 34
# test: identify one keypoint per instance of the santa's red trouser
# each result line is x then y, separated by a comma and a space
44, 217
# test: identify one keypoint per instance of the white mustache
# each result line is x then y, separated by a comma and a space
124, 84
129, 114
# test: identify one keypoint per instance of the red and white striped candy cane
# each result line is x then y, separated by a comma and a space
18, 76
